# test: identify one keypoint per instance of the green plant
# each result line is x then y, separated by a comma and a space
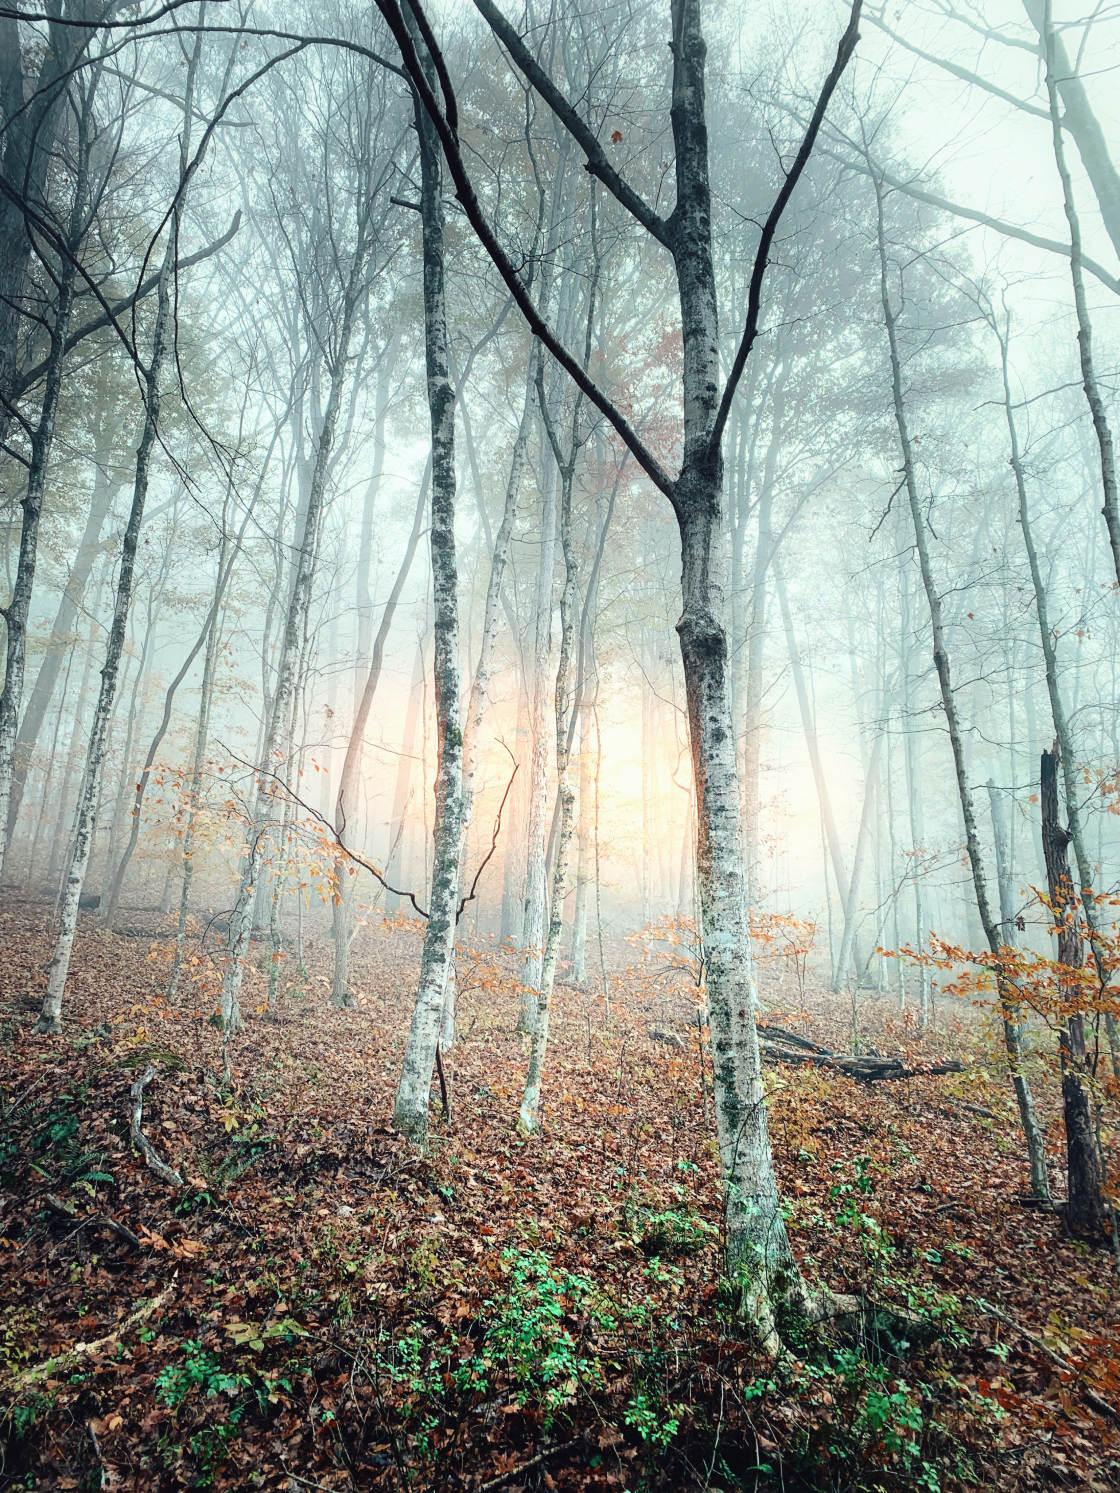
528, 1331
199, 1370
649, 1419
675, 1231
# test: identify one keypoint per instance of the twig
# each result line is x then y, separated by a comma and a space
358, 860
136, 1113
486, 859
505, 1477
1099, 1404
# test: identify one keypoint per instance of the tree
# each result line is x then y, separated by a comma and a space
759, 1259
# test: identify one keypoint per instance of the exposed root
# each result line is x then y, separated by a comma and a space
136, 1114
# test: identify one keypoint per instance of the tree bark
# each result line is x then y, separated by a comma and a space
410, 1111
1086, 1213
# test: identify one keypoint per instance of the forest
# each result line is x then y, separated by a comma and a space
560, 745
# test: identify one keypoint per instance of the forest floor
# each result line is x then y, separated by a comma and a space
319, 1307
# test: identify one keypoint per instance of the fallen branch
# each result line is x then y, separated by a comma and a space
136, 1113
779, 1035
102, 1220
62, 1361
866, 1069
505, 1477
1099, 1404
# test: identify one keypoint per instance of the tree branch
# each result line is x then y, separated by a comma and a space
468, 198
844, 50
578, 128
973, 215
977, 80
118, 308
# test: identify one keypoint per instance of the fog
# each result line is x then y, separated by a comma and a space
213, 218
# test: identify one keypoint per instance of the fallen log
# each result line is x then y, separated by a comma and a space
62, 1362
780, 1036
864, 1068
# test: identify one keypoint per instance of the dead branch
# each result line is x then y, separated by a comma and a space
100, 1220
1099, 1404
51, 1367
506, 1477
136, 1114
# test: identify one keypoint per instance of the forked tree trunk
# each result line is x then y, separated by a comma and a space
758, 1256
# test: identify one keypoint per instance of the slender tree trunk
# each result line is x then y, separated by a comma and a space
847, 965
529, 1120
397, 866
1008, 995
913, 762
756, 651
410, 1111
50, 1017
194, 798
19, 606
1057, 703
281, 703
347, 801
533, 930
1093, 397
1078, 119
60, 644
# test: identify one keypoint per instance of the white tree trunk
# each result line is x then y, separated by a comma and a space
50, 1017
410, 1111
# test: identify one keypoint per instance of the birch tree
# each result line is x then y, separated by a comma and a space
759, 1258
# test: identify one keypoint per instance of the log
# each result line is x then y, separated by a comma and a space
865, 1068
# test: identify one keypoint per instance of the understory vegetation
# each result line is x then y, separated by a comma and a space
334, 1309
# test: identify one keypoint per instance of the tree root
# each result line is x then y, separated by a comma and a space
65, 1360
164, 1172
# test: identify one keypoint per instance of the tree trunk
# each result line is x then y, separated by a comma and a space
1058, 712
1093, 397
1008, 995
1086, 1213
529, 1120
410, 1111
50, 1017
533, 931
19, 606
347, 801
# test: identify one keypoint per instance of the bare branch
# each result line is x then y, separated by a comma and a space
578, 128
844, 52
464, 190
